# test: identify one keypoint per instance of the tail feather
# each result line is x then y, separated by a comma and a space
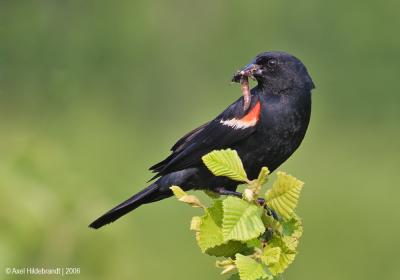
147, 195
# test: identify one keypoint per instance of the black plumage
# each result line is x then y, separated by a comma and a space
265, 134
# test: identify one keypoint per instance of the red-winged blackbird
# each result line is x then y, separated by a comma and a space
264, 134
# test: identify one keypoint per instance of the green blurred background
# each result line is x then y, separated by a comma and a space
92, 93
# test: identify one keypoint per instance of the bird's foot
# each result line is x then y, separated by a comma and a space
270, 211
261, 201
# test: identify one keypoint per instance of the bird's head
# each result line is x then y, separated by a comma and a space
276, 70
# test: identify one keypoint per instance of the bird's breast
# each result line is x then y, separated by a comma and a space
282, 125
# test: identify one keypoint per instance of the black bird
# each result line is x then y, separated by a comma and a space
264, 134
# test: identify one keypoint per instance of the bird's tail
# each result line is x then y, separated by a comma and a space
149, 194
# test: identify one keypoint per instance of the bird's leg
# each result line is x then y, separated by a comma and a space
222, 191
271, 212
261, 201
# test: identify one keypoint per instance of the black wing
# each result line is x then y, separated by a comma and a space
213, 135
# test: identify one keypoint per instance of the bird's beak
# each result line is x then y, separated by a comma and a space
248, 71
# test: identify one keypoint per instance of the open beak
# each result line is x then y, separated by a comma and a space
248, 71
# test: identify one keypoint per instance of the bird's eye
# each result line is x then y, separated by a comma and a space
272, 63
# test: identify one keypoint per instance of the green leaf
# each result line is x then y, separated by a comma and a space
292, 226
292, 231
210, 237
256, 242
284, 195
249, 269
234, 277
288, 227
291, 242
286, 256
228, 249
287, 242
271, 255
210, 233
263, 176
225, 163
241, 220
285, 259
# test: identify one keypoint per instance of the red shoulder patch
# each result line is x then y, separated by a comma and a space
254, 114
